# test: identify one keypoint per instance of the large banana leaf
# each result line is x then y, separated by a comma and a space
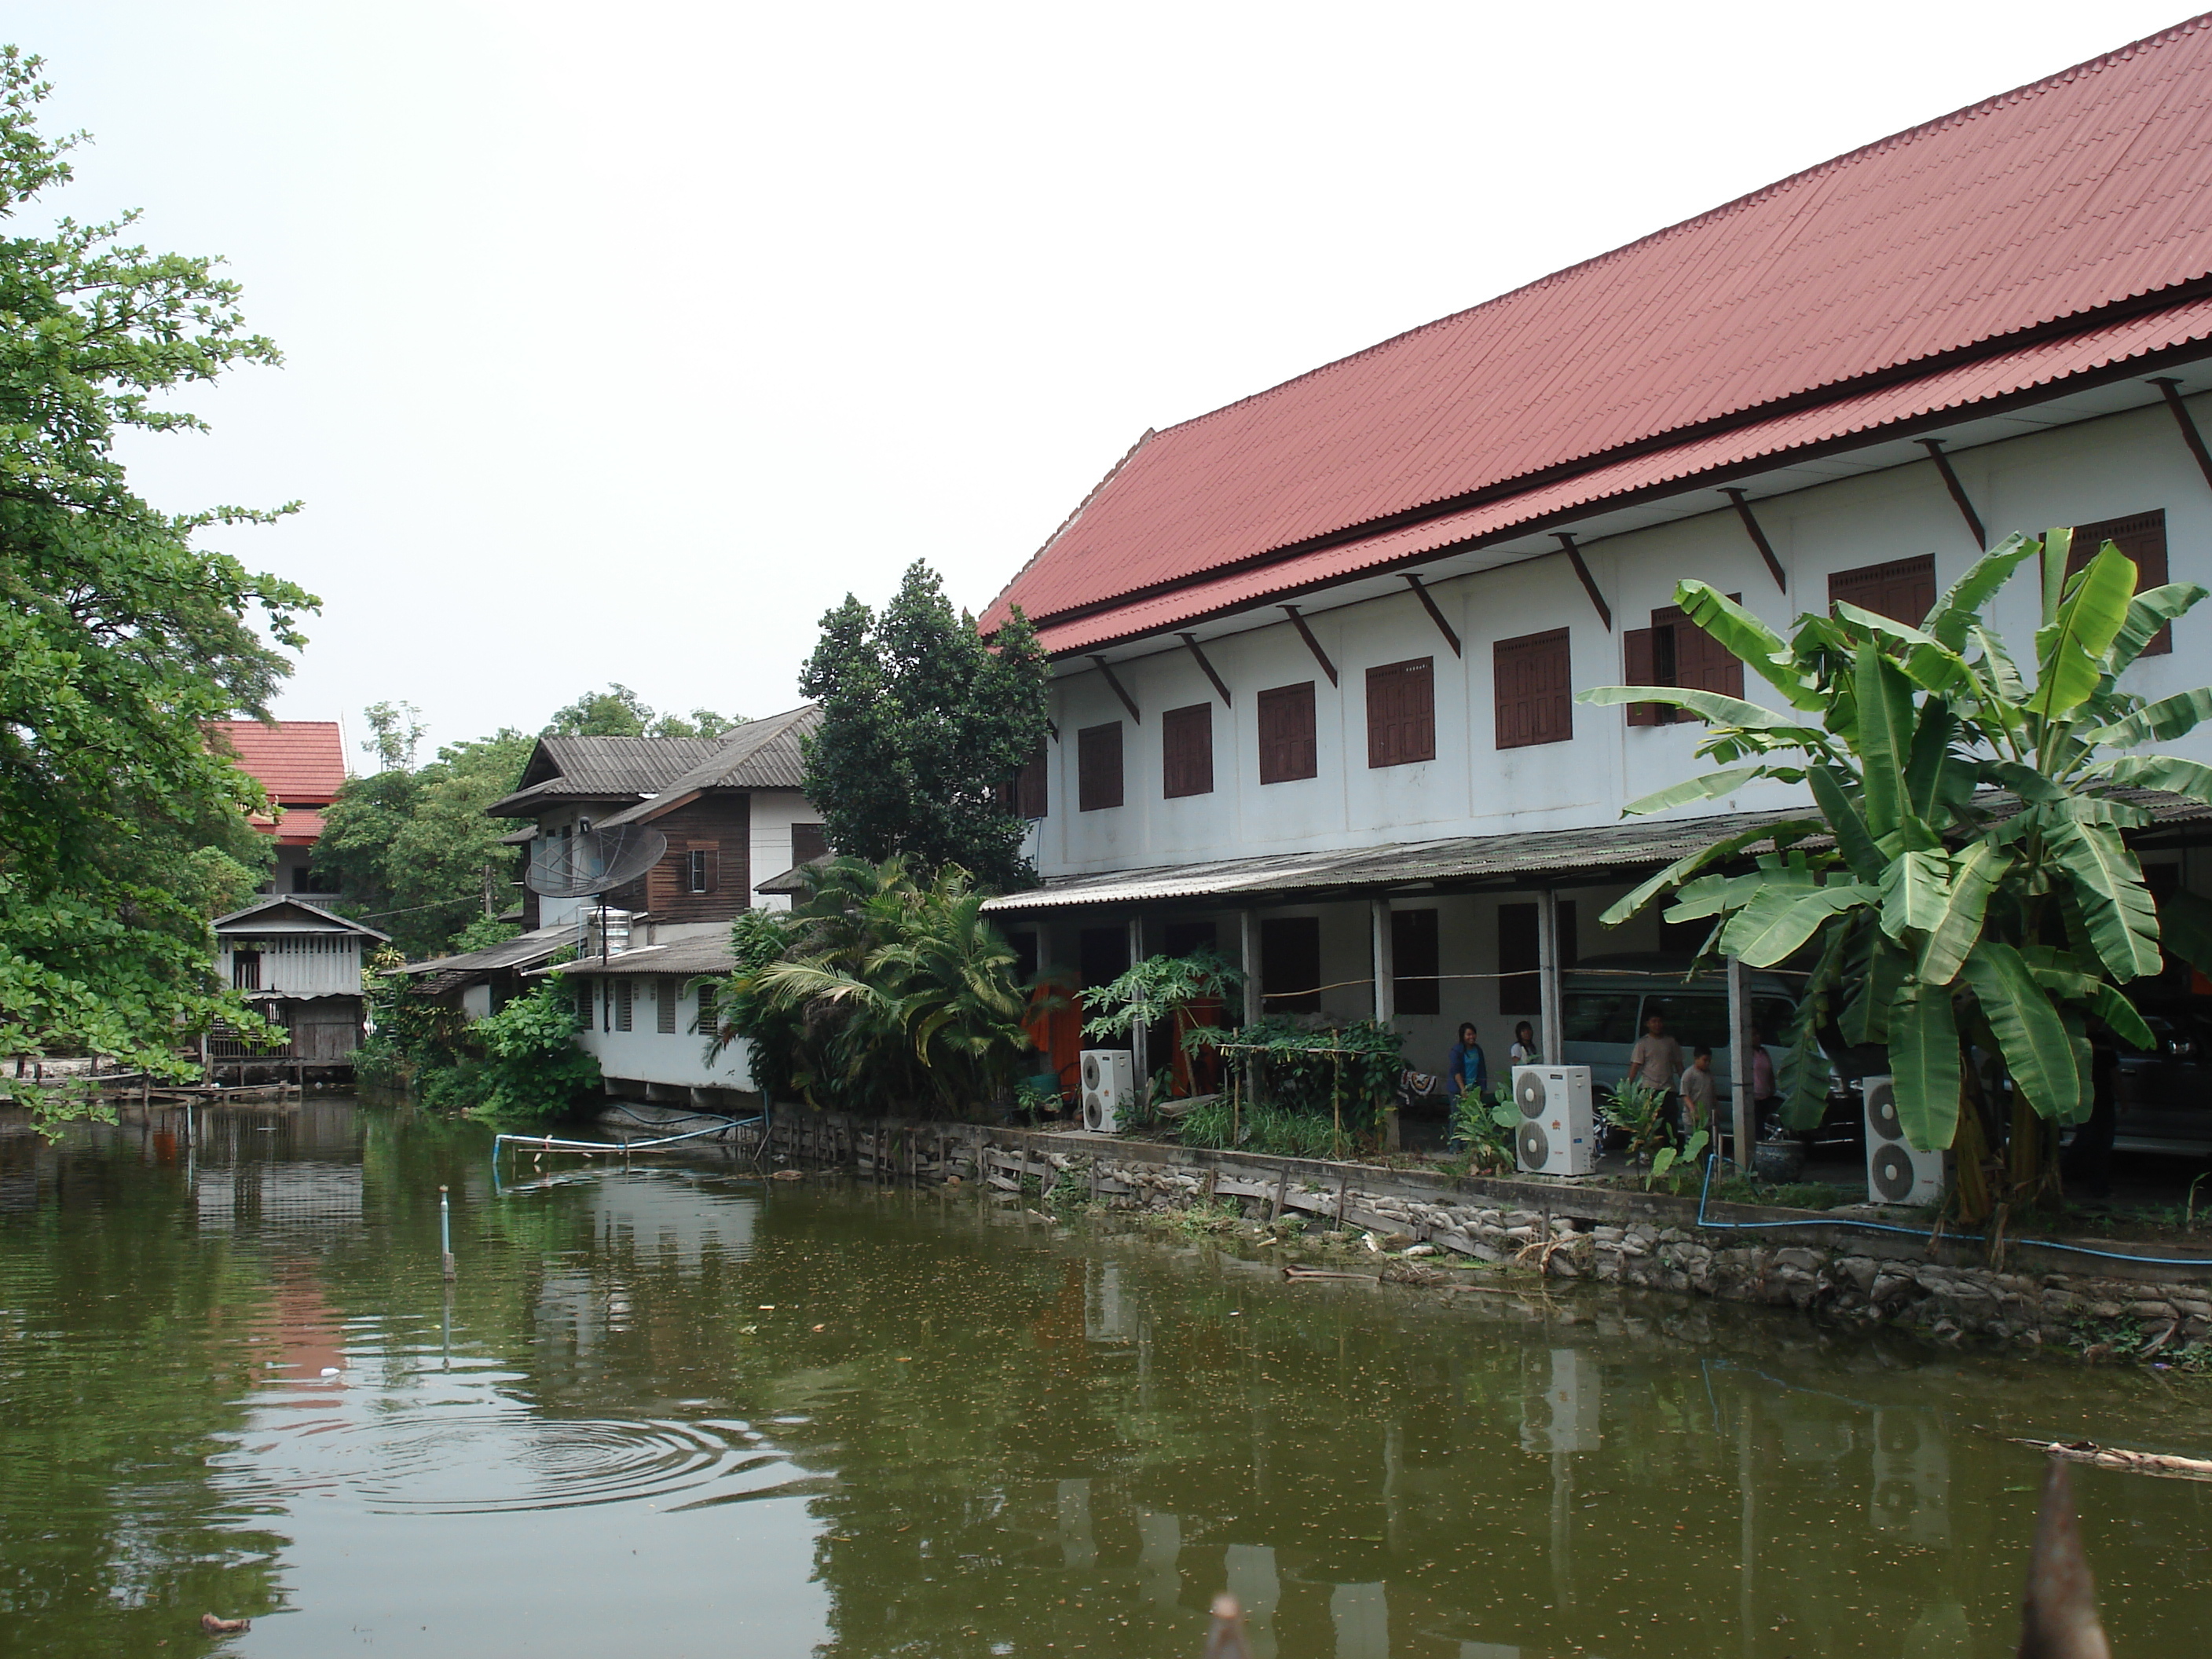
1923, 1059
1689, 864
1711, 787
1776, 924
1931, 759
1927, 661
1885, 738
1874, 969
2169, 772
2116, 906
2030, 1034
1956, 612
1709, 896
1805, 1069
1713, 706
2159, 722
2153, 609
2127, 1023
1916, 889
1853, 840
2057, 546
1736, 629
1975, 875
2072, 648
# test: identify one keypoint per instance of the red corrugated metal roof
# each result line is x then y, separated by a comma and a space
296, 760
2087, 190
1959, 387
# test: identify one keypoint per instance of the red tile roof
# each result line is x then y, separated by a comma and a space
296, 761
2019, 218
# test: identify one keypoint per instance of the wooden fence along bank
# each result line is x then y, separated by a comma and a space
2066, 1293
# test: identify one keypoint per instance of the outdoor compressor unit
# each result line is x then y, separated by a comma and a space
1558, 1129
1896, 1174
1109, 1087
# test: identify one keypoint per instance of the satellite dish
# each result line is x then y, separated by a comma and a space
596, 862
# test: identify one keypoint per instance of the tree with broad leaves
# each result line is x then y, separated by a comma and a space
1979, 909
122, 828
923, 721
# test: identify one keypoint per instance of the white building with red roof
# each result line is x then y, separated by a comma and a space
1315, 652
301, 764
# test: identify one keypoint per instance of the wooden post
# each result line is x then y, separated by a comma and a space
1547, 978
1741, 1039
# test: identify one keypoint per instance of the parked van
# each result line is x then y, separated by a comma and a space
1606, 1000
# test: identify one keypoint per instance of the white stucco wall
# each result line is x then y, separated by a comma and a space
646, 1054
2118, 465
775, 811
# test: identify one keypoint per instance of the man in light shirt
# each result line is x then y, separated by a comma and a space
1657, 1059
1697, 1090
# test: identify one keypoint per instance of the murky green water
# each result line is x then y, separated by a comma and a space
683, 1413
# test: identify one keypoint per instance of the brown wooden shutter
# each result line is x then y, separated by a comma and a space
663, 1007
2142, 537
1099, 767
1029, 786
1415, 958
1532, 678
1287, 748
1694, 659
808, 842
1635, 669
713, 861
1187, 750
1903, 590
1402, 713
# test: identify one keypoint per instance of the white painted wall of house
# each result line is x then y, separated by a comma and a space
646, 1054
2100, 469
775, 811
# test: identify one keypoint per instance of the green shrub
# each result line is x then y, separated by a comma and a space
533, 1066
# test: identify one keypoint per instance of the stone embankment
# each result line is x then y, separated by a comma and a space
1810, 1260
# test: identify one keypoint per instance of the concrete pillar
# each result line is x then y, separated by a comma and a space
1741, 1036
1248, 933
1386, 987
1549, 1024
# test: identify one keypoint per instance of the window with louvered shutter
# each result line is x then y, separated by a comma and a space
1402, 713
1637, 669
624, 992
1682, 654
1287, 748
2142, 537
705, 1026
663, 1007
1290, 964
1415, 959
1099, 767
584, 1000
1532, 681
1904, 590
1029, 786
1187, 750
808, 842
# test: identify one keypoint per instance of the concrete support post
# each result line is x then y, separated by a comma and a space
1248, 936
1386, 986
1139, 1038
1741, 1039
1550, 1027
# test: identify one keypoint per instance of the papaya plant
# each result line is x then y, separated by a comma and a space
1962, 887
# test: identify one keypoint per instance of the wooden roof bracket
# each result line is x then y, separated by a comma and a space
1590, 582
1935, 448
1191, 640
1312, 644
1128, 702
1759, 538
1436, 615
2189, 434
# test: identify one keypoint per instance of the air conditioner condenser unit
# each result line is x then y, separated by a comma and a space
1559, 1124
1109, 1088
1896, 1174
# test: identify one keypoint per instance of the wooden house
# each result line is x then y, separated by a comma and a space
300, 965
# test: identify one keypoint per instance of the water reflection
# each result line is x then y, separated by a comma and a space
676, 1405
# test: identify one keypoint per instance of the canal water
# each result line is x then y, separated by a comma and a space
684, 1411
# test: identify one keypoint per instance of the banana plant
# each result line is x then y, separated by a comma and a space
1962, 883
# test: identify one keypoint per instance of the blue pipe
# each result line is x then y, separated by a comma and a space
1713, 1158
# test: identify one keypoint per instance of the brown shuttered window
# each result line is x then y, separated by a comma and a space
1415, 960
1535, 699
1675, 651
1904, 590
1099, 767
663, 1007
1187, 749
808, 842
699, 870
1290, 964
1286, 733
1402, 713
2142, 537
1022, 794
584, 1000
1520, 955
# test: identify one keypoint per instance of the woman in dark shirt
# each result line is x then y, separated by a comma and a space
1465, 1068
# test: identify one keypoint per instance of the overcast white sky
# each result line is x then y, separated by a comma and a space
623, 341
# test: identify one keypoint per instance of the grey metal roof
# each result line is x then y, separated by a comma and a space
763, 753
313, 919
1566, 856
523, 951
792, 881
603, 769
688, 956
